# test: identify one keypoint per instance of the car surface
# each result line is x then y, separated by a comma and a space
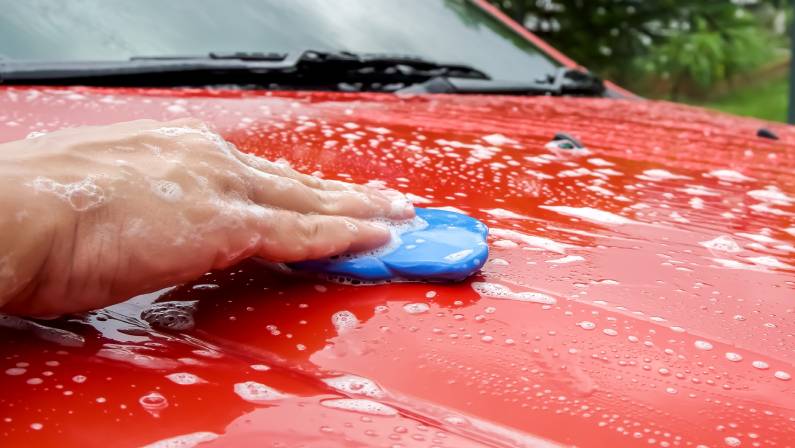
640, 289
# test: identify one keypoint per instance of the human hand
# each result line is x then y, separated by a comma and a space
94, 215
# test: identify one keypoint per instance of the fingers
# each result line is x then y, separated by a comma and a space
283, 170
400, 207
289, 237
289, 194
277, 185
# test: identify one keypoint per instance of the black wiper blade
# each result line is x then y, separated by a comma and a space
137, 72
313, 70
236, 55
564, 81
365, 63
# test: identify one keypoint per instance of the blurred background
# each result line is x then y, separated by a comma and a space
731, 55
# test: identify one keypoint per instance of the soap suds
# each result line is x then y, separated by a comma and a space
590, 214
81, 196
497, 291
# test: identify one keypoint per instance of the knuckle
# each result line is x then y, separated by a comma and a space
314, 229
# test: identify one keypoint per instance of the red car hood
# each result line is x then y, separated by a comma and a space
638, 293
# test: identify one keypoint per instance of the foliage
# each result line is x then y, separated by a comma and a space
768, 101
683, 42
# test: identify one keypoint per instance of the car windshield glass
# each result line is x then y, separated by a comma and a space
450, 31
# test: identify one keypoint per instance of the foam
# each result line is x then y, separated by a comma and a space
768, 261
660, 174
771, 195
497, 291
399, 204
699, 190
171, 315
498, 140
416, 308
185, 440
81, 196
590, 214
35, 134
350, 281
396, 230
355, 385
344, 321
531, 240
722, 243
360, 405
254, 392
566, 259
175, 131
502, 213
729, 176
184, 378
167, 190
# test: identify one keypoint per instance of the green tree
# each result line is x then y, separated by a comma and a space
682, 41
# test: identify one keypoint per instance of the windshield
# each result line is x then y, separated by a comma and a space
450, 31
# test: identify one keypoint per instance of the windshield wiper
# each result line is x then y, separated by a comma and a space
312, 70
565, 81
308, 70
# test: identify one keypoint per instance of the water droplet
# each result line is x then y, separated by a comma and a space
703, 345
734, 357
732, 441
782, 375
416, 308
153, 403
586, 325
761, 365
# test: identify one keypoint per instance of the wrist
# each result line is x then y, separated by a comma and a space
28, 223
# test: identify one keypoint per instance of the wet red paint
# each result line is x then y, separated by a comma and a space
471, 370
